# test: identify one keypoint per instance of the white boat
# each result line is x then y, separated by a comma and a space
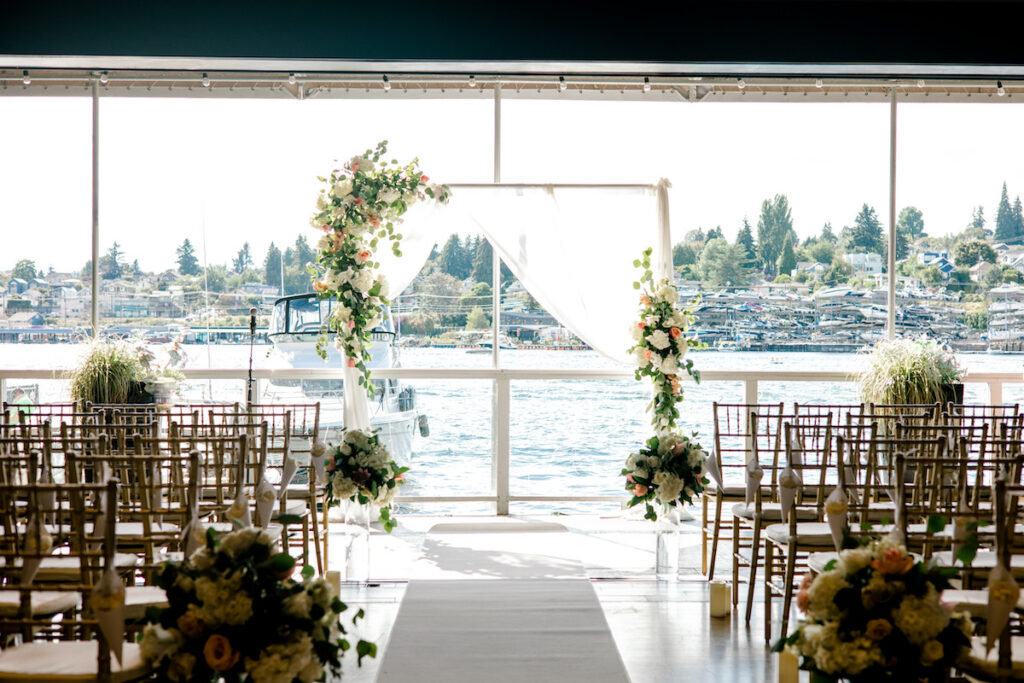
294, 328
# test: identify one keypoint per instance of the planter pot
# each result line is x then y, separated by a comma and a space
139, 394
952, 393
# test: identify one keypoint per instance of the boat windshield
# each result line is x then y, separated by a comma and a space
298, 314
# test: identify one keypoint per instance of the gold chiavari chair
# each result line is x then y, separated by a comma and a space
72, 648
733, 444
34, 414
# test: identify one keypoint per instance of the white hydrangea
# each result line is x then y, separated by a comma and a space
822, 595
158, 642
669, 366
343, 188
363, 279
237, 542
921, 618
658, 339
343, 488
853, 560
298, 605
640, 354
281, 662
669, 486
389, 195
223, 600
667, 293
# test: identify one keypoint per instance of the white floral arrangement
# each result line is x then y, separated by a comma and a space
360, 469
234, 612
362, 204
671, 469
875, 614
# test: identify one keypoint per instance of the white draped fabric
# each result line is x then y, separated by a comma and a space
572, 247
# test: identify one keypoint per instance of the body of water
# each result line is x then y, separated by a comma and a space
567, 437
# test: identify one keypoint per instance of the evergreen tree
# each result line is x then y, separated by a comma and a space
110, 264
683, 255
1018, 217
243, 261
828, 235
715, 233
303, 254
745, 238
786, 263
977, 218
483, 262
866, 234
25, 269
774, 225
911, 223
188, 264
722, 264
1005, 225
453, 260
272, 267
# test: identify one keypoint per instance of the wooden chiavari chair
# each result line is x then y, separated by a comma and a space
733, 444
72, 648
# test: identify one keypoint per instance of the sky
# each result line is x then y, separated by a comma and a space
224, 172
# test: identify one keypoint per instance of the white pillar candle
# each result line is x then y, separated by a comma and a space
720, 599
789, 667
334, 580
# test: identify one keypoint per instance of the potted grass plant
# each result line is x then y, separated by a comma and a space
111, 372
910, 371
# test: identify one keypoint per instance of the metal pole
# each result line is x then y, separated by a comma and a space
495, 259
95, 209
501, 413
891, 299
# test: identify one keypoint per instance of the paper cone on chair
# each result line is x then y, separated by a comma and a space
836, 506
316, 456
266, 498
107, 603
37, 541
193, 536
239, 513
287, 474
789, 486
754, 475
1003, 593
714, 469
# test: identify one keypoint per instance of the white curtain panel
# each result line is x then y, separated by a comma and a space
424, 225
572, 247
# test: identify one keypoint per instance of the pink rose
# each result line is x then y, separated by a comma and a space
893, 561
351, 362
351, 324
640, 490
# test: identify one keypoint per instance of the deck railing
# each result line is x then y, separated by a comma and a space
501, 407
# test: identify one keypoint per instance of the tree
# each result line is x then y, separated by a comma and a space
682, 255
483, 263
930, 275
110, 264
993, 277
822, 251
786, 262
866, 233
243, 261
479, 295
695, 236
24, 269
1005, 224
216, 278
303, 253
967, 254
1018, 217
188, 264
715, 233
1011, 274
977, 218
477, 319
976, 320
901, 246
775, 223
827, 235
839, 272
722, 264
272, 267
453, 259
911, 222
745, 238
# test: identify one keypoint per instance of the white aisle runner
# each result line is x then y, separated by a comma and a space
500, 603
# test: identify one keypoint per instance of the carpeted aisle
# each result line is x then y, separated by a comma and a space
501, 603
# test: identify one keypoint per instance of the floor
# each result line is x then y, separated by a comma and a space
662, 627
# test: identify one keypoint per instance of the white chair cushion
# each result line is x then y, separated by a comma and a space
771, 512
980, 661
291, 507
985, 559
731, 492
974, 602
816, 534
66, 568
67, 661
138, 598
44, 603
817, 562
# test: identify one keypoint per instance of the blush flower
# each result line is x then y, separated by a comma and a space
894, 561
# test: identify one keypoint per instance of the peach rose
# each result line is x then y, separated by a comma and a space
374, 220
645, 300
359, 201
364, 256
640, 490
641, 325
351, 362
191, 625
877, 629
630, 479
675, 332
320, 286
893, 561
424, 179
219, 654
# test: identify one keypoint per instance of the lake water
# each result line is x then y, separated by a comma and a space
567, 437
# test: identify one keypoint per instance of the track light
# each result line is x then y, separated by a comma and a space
818, 83
387, 83
291, 79
25, 77
647, 84
206, 80
920, 83
104, 77
472, 81
740, 83
1000, 90
562, 84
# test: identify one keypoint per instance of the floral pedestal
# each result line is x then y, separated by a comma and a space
666, 538
357, 539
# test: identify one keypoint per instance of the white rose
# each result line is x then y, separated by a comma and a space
384, 286
363, 280
668, 293
325, 243
636, 331
389, 196
669, 365
641, 357
343, 188
658, 339
298, 605
321, 203
361, 164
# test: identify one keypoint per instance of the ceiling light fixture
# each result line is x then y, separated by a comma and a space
472, 81
104, 77
818, 83
562, 85
740, 83
1000, 89
386, 82
206, 80
291, 79
647, 84
25, 78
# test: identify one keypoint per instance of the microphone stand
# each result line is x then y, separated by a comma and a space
250, 397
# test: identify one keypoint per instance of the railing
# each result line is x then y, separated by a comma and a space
501, 409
